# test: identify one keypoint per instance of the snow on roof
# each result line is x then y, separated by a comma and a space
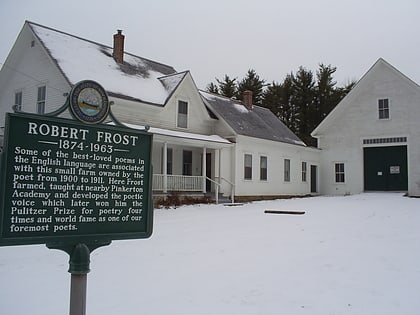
172, 81
259, 122
240, 108
80, 59
212, 97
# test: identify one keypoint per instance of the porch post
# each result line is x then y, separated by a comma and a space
164, 167
204, 169
219, 175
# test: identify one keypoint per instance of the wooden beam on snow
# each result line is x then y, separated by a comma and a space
284, 212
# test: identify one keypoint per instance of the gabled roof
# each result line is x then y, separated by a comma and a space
259, 122
138, 79
379, 65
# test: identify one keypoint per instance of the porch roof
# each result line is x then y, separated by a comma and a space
186, 138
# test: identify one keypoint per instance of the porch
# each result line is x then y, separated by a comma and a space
189, 164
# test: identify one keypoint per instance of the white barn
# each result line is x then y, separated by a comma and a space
371, 140
201, 142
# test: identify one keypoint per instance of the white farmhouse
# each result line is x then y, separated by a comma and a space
371, 140
201, 142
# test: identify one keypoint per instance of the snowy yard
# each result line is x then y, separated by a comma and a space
347, 255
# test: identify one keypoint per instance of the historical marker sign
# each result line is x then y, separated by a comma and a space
63, 181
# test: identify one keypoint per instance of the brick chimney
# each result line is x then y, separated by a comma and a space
118, 52
247, 99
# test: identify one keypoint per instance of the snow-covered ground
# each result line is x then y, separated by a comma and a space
347, 255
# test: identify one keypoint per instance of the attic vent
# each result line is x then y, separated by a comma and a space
33, 43
385, 140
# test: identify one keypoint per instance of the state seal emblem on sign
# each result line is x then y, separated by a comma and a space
89, 102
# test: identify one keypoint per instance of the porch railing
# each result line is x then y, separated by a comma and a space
187, 183
232, 188
177, 183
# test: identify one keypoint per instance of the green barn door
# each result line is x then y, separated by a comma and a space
385, 168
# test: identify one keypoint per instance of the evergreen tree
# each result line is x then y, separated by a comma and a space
227, 87
212, 88
347, 88
300, 101
304, 99
252, 82
273, 98
326, 93
278, 98
290, 111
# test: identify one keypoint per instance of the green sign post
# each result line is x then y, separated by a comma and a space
66, 183
75, 185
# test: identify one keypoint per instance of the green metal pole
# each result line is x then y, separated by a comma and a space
79, 268
78, 287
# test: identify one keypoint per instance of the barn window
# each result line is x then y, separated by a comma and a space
339, 173
383, 108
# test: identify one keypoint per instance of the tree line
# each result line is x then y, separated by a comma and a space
301, 101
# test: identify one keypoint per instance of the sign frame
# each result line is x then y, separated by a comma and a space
94, 239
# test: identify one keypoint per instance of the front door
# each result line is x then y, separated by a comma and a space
314, 179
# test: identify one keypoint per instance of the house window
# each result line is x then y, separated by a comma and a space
339, 173
248, 166
40, 104
169, 155
182, 114
263, 168
18, 101
383, 108
304, 171
187, 163
286, 170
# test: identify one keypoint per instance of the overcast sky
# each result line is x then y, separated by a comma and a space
217, 37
